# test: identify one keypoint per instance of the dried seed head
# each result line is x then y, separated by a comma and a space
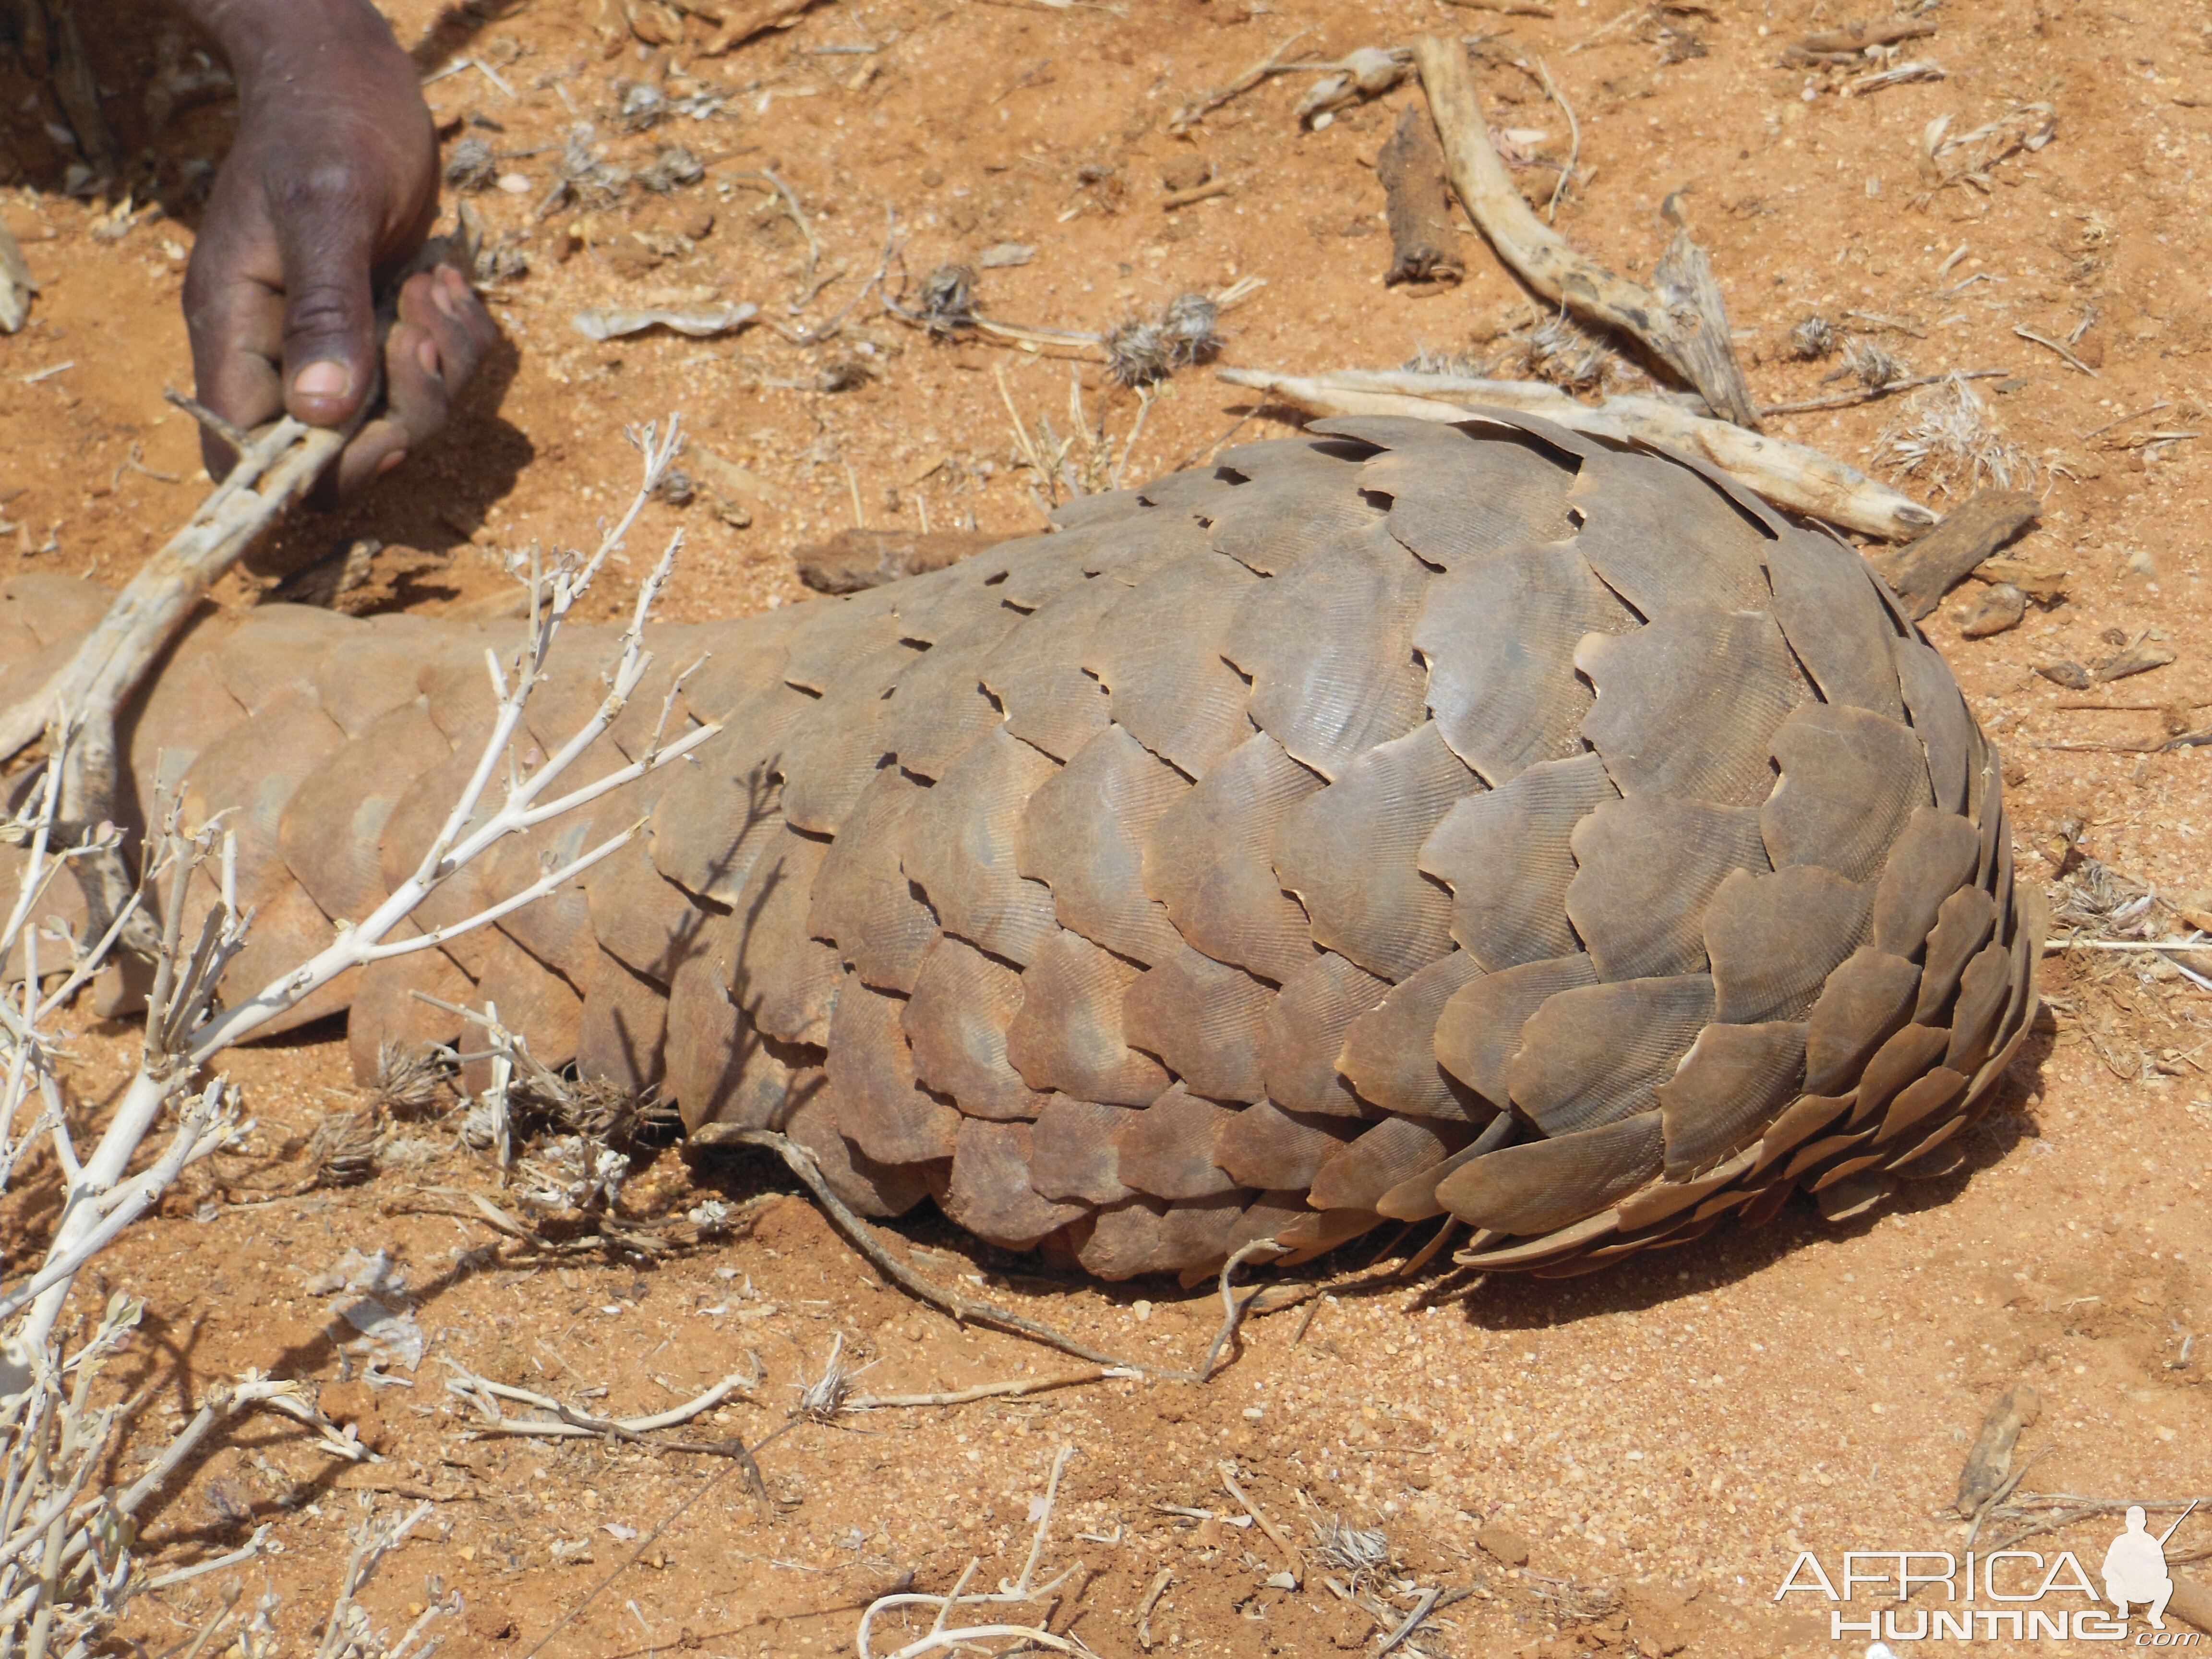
671, 165
1139, 353
1562, 351
1431, 360
639, 105
408, 1078
343, 1146
1947, 434
1813, 337
1189, 325
1874, 367
948, 299
1349, 1550
471, 166
821, 1399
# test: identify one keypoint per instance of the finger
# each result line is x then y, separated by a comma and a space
416, 406
417, 390
235, 321
326, 232
379, 447
472, 331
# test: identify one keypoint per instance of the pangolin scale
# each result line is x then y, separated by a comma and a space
1396, 821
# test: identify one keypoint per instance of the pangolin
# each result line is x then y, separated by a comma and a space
1396, 821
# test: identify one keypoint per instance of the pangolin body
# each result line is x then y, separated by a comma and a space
1394, 821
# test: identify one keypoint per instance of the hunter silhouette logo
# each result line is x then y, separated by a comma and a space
2135, 1567
2008, 1593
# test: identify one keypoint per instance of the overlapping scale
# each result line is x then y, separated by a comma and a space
990, 889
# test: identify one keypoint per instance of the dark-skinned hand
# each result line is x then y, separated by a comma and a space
333, 179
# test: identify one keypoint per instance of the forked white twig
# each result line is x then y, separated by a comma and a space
1024, 1589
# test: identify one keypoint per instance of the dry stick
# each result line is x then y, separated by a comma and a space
1421, 1610
1868, 393
801, 1162
110, 661
644, 1544
1020, 1385
1160, 1583
1423, 246
1182, 199
1510, 7
1970, 533
1574, 142
1794, 477
1298, 1567
2027, 334
1195, 111
1856, 37
1704, 357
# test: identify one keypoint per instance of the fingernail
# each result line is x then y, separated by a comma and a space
426, 353
389, 461
323, 380
442, 294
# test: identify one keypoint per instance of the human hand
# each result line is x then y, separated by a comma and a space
333, 176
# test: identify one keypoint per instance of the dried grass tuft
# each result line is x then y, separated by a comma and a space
1349, 1550
1812, 338
1947, 437
1874, 367
471, 166
947, 301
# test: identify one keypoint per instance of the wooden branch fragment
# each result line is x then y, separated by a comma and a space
1510, 7
1197, 110
1016, 1387
1196, 193
853, 559
800, 1160
1857, 37
1793, 476
1423, 248
1543, 259
1973, 531
2060, 347
1684, 279
735, 25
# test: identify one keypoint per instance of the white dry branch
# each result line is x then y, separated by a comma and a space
567, 1423
939, 1640
184, 1031
66, 1533
1793, 476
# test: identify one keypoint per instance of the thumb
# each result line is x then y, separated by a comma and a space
325, 237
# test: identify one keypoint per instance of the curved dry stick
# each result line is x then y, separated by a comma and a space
1543, 259
1794, 477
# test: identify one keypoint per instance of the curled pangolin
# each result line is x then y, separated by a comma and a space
1395, 821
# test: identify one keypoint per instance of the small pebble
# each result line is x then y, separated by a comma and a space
2000, 608
514, 184
2139, 564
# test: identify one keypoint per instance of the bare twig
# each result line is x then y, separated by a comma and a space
2064, 351
1793, 476
800, 1161
1703, 356
1016, 1386
1868, 393
1024, 1589
1574, 142
1195, 111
